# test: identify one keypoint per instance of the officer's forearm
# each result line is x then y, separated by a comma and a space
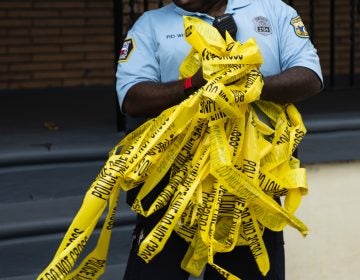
149, 99
293, 85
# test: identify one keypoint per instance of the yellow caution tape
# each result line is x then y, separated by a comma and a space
229, 155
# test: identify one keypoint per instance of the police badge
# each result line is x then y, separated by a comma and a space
299, 27
262, 25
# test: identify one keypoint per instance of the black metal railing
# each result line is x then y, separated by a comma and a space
355, 12
137, 7
336, 75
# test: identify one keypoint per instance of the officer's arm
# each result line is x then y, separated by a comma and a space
293, 85
149, 99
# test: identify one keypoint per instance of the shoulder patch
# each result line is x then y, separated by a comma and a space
126, 49
299, 27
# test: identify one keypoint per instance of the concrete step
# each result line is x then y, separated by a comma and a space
25, 258
38, 204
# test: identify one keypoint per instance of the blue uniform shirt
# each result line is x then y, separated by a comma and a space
155, 46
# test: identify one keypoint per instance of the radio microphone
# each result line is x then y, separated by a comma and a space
225, 23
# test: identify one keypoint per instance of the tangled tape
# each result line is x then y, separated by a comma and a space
229, 155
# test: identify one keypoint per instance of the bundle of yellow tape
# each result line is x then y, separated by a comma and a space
229, 155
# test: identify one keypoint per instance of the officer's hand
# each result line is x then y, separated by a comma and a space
198, 79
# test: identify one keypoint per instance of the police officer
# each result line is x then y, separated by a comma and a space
148, 82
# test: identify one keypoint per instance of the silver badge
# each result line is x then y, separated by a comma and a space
262, 25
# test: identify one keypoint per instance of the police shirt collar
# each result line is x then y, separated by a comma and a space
235, 4
231, 6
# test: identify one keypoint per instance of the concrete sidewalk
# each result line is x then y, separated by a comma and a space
331, 251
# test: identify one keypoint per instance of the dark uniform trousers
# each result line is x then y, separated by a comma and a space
166, 264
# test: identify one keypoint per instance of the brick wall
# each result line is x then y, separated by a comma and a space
56, 43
